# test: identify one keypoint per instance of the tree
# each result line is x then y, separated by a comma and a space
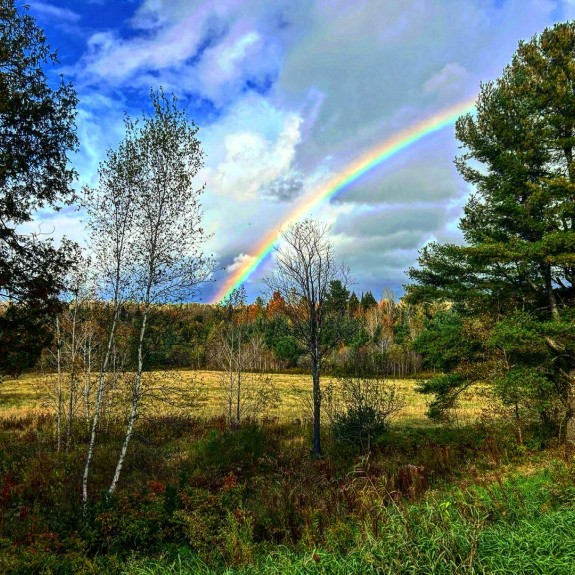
72, 332
337, 297
276, 304
353, 304
518, 225
146, 222
36, 132
230, 350
165, 156
110, 209
306, 268
367, 301
235, 346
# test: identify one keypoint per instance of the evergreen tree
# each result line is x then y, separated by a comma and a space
353, 304
337, 297
519, 229
367, 301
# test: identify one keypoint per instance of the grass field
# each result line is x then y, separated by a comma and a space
197, 496
31, 392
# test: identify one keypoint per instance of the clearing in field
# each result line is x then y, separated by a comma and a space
207, 391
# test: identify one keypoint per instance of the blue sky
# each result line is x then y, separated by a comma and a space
285, 94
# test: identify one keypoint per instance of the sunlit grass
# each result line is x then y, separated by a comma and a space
31, 392
19, 395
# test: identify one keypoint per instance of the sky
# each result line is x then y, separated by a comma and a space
288, 94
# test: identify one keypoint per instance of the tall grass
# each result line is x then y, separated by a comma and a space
201, 497
518, 526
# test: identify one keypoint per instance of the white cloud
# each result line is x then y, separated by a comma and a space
239, 262
54, 12
100, 127
452, 79
252, 162
56, 225
211, 49
301, 88
118, 61
229, 63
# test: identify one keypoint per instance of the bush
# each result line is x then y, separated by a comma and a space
359, 409
236, 450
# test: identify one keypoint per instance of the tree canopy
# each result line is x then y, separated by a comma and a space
36, 132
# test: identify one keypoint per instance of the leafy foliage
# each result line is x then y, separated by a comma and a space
36, 132
360, 409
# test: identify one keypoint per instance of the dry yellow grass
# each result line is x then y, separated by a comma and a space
28, 393
20, 395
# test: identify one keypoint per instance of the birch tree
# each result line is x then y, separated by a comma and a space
166, 233
110, 209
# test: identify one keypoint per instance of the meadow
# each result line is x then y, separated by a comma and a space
199, 496
31, 393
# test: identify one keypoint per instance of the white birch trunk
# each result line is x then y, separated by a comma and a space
59, 398
97, 407
136, 395
72, 390
87, 378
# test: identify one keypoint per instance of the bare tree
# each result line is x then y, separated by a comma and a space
228, 350
306, 267
77, 317
65, 352
247, 394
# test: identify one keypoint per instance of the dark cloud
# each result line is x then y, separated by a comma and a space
284, 188
388, 221
379, 263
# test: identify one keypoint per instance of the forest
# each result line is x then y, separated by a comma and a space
318, 428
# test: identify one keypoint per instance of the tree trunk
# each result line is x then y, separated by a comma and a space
71, 399
59, 390
97, 407
316, 406
135, 401
550, 292
570, 412
87, 378
231, 389
239, 384
570, 428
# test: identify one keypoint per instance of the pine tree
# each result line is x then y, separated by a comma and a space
511, 284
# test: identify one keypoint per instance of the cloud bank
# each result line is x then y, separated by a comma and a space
286, 94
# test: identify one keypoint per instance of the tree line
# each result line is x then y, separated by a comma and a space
195, 335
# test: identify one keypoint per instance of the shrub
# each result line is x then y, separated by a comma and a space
359, 409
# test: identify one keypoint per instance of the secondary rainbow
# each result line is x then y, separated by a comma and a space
336, 184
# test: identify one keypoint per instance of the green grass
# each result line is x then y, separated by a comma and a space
197, 497
505, 529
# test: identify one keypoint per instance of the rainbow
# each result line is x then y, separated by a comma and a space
354, 170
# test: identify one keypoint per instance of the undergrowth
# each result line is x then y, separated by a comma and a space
198, 497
